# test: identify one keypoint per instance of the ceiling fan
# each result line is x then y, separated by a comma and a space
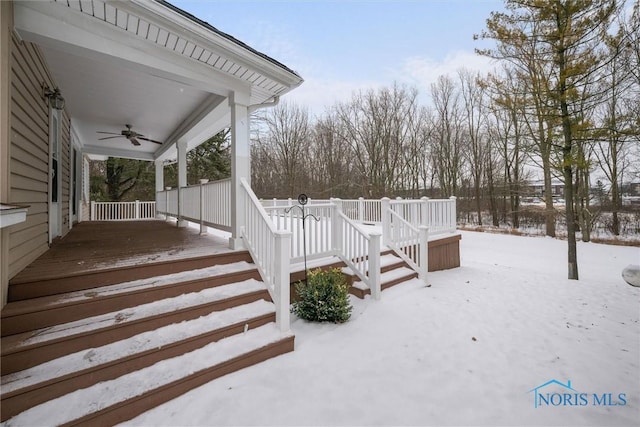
131, 135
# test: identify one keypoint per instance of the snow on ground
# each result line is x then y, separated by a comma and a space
469, 350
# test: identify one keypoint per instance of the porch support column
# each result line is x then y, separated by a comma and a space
182, 179
240, 163
159, 187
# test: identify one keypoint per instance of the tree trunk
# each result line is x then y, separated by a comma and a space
549, 212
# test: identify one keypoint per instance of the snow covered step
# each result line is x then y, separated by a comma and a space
28, 286
28, 349
37, 313
25, 389
390, 262
388, 279
120, 399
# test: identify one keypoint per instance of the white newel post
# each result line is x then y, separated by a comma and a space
361, 209
182, 179
93, 210
386, 219
423, 262
424, 217
336, 226
454, 218
159, 186
374, 265
240, 163
282, 279
203, 228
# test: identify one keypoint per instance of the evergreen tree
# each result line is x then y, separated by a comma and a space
566, 38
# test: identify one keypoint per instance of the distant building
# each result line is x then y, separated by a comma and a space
536, 188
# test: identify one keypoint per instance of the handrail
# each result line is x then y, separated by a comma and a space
359, 251
270, 250
408, 242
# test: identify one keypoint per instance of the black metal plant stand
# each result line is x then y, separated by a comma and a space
302, 200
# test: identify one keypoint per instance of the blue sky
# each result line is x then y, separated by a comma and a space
339, 47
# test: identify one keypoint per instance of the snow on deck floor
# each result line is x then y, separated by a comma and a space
166, 305
411, 358
104, 394
137, 344
141, 284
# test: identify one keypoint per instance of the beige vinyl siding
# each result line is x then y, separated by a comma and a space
29, 155
65, 142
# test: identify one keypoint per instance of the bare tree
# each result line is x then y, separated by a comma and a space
448, 135
279, 152
473, 95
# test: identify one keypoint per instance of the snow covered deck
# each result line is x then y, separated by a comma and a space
93, 247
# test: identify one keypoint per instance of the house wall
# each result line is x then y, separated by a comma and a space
29, 155
6, 23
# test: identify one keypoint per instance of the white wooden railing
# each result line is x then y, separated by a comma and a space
360, 251
409, 242
122, 211
437, 214
208, 204
319, 241
329, 233
270, 250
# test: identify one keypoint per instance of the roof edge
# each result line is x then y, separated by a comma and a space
228, 37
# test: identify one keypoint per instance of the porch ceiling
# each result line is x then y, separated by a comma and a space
147, 64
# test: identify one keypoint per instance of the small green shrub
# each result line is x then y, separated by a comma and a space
324, 298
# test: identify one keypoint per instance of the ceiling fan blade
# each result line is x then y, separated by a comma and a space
134, 141
110, 133
149, 139
110, 137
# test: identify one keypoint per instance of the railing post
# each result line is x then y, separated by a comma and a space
282, 281
203, 228
336, 226
386, 220
423, 262
361, 209
454, 215
374, 265
424, 217
166, 206
137, 209
93, 210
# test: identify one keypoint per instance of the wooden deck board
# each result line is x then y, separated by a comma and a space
94, 246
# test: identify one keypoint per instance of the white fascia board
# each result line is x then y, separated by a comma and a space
217, 43
63, 28
93, 150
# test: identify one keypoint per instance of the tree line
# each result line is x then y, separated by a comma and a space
564, 99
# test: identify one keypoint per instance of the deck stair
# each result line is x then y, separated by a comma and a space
393, 271
108, 353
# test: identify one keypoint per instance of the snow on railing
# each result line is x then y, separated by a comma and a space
270, 250
208, 204
122, 211
409, 242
